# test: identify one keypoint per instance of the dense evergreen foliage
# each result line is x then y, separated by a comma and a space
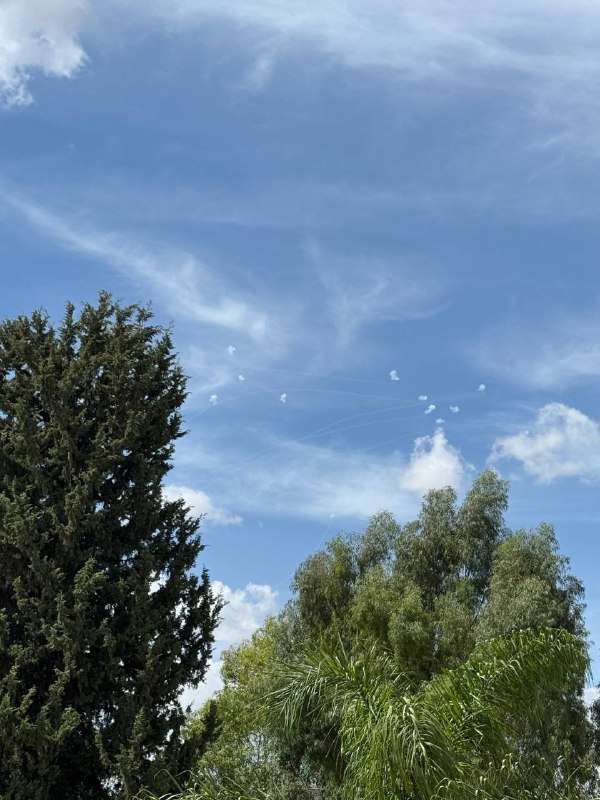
424, 595
102, 621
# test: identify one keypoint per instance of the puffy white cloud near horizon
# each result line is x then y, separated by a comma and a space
244, 612
562, 443
434, 463
312, 484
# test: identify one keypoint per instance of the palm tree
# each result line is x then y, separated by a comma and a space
454, 737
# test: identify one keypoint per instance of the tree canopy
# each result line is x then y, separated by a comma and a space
424, 595
102, 617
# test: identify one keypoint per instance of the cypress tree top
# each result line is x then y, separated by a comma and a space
102, 621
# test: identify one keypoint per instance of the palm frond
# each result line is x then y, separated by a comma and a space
448, 739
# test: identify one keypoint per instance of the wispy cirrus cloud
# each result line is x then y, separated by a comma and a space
363, 291
343, 296
552, 61
436, 38
204, 298
534, 45
188, 285
562, 443
551, 354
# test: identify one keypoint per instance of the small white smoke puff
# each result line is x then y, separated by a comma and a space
394, 375
241, 378
283, 398
231, 349
440, 421
213, 399
454, 409
422, 397
430, 408
481, 387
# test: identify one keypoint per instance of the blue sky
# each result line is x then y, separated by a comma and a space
342, 209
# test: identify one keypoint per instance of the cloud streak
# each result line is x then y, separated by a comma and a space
362, 292
436, 38
534, 44
187, 284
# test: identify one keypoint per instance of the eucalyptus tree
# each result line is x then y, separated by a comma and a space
425, 594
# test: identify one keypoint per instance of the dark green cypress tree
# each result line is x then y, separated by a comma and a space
102, 621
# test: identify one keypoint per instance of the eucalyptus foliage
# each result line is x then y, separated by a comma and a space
424, 595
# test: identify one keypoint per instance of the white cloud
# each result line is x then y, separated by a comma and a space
434, 463
431, 39
531, 45
394, 375
422, 397
245, 610
430, 408
231, 349
213, 399
563, 442
440, 421
210, 686
283, 398
202, 505
454, 409
241, 378
363, 291
38, 35
258, 77
482, 387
